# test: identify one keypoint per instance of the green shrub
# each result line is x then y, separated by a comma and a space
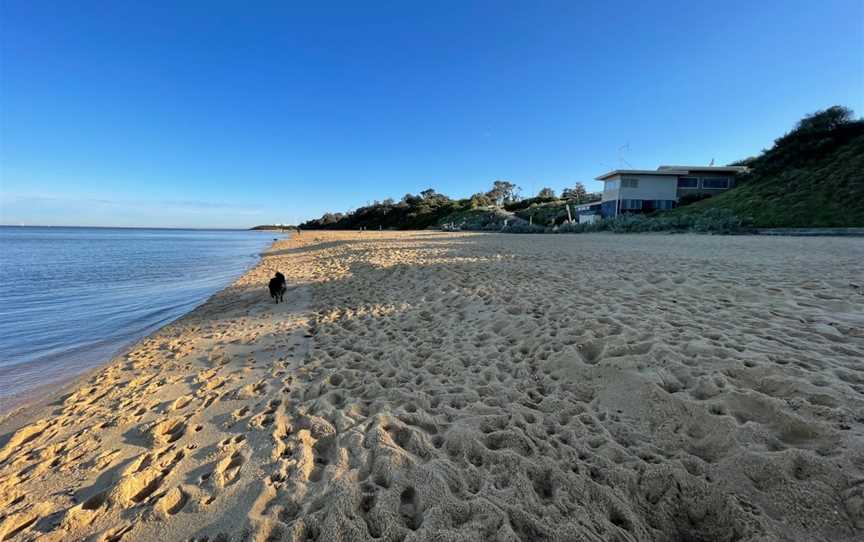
573, 227
523, 227
717, 221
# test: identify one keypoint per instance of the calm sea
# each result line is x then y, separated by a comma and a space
71, 298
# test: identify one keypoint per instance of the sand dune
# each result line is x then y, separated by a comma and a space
430, 386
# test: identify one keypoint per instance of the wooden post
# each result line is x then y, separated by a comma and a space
569, 218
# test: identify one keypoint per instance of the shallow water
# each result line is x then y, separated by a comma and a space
71, 298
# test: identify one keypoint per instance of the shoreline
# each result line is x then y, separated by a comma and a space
19, 404
467, 386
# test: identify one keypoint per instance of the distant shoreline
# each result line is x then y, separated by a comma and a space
271, 227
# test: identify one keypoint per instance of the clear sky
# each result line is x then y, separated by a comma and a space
230, 114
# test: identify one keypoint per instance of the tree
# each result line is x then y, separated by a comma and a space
410, 199
331, 218
429, 193
480, 200
826, 120
503, 192
813, 138
577, 193
546, 193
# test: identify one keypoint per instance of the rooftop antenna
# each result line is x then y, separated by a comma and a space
712, 163
621, 150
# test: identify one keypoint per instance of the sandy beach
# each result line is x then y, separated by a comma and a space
446, 386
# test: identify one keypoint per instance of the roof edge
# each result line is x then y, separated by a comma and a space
671, 170
641, 172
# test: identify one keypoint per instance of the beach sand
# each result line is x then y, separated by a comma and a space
432, 386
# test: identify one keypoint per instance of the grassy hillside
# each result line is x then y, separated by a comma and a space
812, 177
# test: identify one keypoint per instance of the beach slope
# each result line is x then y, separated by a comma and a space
422, 385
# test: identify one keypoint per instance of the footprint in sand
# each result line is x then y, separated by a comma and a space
409, 509
240, 413
228, 468
168, 431
172, 502
181, 402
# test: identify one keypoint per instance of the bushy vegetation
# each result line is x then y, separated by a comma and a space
714, 221
548, 213
488, 218
410, 213
719, 221
813, 176
486, 211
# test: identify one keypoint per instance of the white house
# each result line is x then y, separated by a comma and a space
645, 190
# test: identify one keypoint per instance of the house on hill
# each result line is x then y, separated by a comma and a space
645, 190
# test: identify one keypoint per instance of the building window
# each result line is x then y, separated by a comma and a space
664, 204
611, 185
688, 182
631, 204
629, 182
715, 183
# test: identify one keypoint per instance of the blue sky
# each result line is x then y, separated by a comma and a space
230, 114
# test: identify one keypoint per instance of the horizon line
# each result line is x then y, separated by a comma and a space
124, 227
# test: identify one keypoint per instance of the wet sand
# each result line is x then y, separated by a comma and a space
424, 385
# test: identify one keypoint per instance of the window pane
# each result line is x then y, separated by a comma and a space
688, 182
715, 183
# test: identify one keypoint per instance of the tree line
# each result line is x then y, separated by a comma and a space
427, 208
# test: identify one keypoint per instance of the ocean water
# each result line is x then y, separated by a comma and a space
72, 298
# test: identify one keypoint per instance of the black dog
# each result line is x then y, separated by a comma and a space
277, 287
